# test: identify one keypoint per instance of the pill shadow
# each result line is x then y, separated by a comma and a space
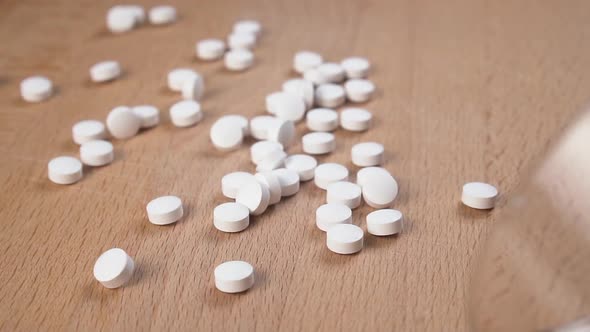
469, 215
165, 91
373, 242
140, 275
103, 33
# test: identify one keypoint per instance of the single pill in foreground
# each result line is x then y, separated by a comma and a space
97, 153
328, 173
64, 170
332, 214
114, 268
345, 239
234, 276
35, 89
344, 192
123, 122
231, 217
88, 130
479, 195
210, 49
186, 113
379, 187
384, 222
165, 210
105, 71
367, 154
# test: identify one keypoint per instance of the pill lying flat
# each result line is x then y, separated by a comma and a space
327, 173
97, 153
248, 26
318, 143
359, 91
345, 239
254, 195
162, 15
105, 71
331, 72
379, 188
344, 192
259, 126
243, 40
322, 119
177, 77
367, 154
35, 89
305, 60
261, 150
286, 106
332, 214
289, 181
282, 131
226, 134
240, 120
269, 179
231, 217
149, 115
356, 67
231, 183
193, 88
186, 113
164, 210
64, 170
330, 95
114, 268
210, 49
123, 123
314, 76
355, 119
479, 195
303, 165
239, 59
234, 276
88, 130
301, 88
384, 222
121, 19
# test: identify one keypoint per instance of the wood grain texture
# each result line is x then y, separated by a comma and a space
467, 90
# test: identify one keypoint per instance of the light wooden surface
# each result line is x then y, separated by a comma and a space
468, 90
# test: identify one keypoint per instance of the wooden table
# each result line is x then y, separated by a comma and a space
467, 90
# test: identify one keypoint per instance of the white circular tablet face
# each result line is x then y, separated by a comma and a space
248, 26
226, 134
328, 173
35, 89
344, 192
165, 210
149, 115
259, 126
121, 19
186, 113
378, 186
138, 13
105, 71
162, 15
318, 143
113, 268
282, 131
263, 149
242, 40
301, 88
254, 195
362, 174
332, 214
231, 217
303, 164
345, 239
88, 130
177, 77
123, 123
240, 120
239, 59
285, 106
355, 119
97, 153
232, 182
330, 95
331, 72
479, 195
234, 277
272, 161
384, 222
313, 75
322, 119
64, 170
193, 88
210, 49
367, 154
274, 186
289, 181
356, 67
359, 91
306, 60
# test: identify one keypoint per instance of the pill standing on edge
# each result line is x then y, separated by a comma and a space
289, 181
97, 153
356, 67
226, 134
186, 113
121, 19
149, 115
177, 77
367, 154
302, 88
231, 217
113, 268
331, 214
161, 15
318, 143
282, 131
327, 173
344, 192
64, 170
359, 91
123, 123
479, 195
193, 88
234, 277
322, 119
306, 60
105, 71
248, 26
210, 49
355, 119
330, 95
269, 179
303, 164
262, 149
384, 222
164, 210
379, 188
238, 59
254, 195
345, 239
35, 89
88, 130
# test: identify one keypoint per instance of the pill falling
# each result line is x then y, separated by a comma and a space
231, 217
64, 170
345, 239
114, 268
331, 214
165, 210
234, 276
479, 195
384, 222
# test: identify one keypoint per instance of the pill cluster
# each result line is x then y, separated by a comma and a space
123, 18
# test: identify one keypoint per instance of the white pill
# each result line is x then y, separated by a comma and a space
378, 186
272, 161
313, 75
254, 195
165, 210
121, 19
306, 60
88, 130
177, 77
64, 170
384, 222
356, 67
97, 153
285, 106
239, 120
123, 123
210, 49
186, 113
362, 174
274, 186
149, 115
289, 181
193, 88
161, 15
345, 239
331, 72
303, 164
322, 119
35, 89
231, 217
230, 183
479, 195
318, 143
302, 88
226, 134
259, 126
330, 95
344, 192
332, 214
367, 154
248, 26
114, 268
138, 13
261, 150
282, 131
359, 91
328, 173
355, 119
234, 277
239, 59
105, 71
241, 40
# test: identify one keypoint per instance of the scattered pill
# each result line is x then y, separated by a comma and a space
88, 130
356, 67
210, 49
305, 60
289, 181
177, 77
186, 113
161, 15
355, 119
330, 95
138, 13
344, 192
384, 222
314, 76
149, 115
261, 150
122, 122
231, 217
318, 143
378, 186
97, 153
35, 89
359, 91
193, 88
105, 71
254, 195
226, 134
479, 195
272, 161
121, 19
234, 277
114, 268
345, 239
259, 126
240, 120
248, 26
286, 106
241, 40
282, 131
64, 170
332, 214
303, 164
165, 210
239, 59
327, 173
367, 154
231, 183
331, 72
274, 186
302, 88
322, 119
361, 175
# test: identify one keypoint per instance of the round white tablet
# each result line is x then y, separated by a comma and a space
359, 91
330, 95
314, 76
285, 106
322, 119
305, 60
239, 120
378, 186
230, 183
289, 181
239, 59
123, 123
234, 277
345, 239
356, 67
332, 214
259, 126
105, 71
35, 89
210, 49
272, 161
282, 131
231, 217
303, 164
149, 115
248, 26
254, 195
384, 222
331, 72
344, 192
186, 113
121, 19
161, 15
114, 268
261, 150
177, 77
362, 174
479, 195
64, 170
318, 143
274, 186
193, 88
88, 130
367, 154
329, 172
355, 119
226, 134
97, 153
165, 210
241, 40
138, 12
302, 88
